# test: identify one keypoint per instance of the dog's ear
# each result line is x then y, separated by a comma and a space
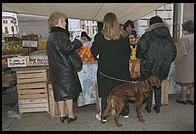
158, 82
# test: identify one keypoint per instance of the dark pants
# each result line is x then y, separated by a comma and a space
157, 93
124, 112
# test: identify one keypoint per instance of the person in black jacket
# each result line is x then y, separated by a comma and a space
111, 45
128, 27
64, 78
157, 50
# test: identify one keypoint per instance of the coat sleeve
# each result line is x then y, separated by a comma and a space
181, 50
95, 47
66, 46
142, 46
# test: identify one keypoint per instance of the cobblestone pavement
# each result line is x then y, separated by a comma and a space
172, 117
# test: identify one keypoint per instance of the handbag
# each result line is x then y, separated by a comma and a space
76, 61
135, 69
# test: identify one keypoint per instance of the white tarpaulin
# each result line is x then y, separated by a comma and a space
88, 11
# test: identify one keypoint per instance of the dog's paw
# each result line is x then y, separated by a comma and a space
103, 121
141, 120
119, 125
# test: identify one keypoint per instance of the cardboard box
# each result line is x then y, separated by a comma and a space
17, 61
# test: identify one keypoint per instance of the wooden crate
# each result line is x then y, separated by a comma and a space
32, 90
97, 98
53, 105
8, 83
9, 77
33, 105
28, 76
164, 93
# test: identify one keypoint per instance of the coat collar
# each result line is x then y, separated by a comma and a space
58, 29
156, 25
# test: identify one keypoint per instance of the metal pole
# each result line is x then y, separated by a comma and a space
175, 22
181, 18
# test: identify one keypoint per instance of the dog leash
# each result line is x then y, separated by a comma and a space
114, 78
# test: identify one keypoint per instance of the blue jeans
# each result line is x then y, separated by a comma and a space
157, 93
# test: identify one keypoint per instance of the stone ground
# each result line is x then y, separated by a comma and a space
172, 117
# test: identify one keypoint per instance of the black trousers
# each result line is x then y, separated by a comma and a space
124, 112
157, 93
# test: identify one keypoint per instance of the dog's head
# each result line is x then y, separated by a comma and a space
152, 81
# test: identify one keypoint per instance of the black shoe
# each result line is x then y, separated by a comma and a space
190, 102
182, 101
69, 120
148, 109
62, 119
157, 109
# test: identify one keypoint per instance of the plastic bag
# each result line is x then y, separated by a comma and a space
13, 114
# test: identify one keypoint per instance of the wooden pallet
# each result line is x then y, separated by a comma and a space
28, 76
53, 105
164, 93
33, 105
32, 90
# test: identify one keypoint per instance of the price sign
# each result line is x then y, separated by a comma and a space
29, 43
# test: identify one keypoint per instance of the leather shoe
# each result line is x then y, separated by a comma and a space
62, 119
148, 109
190, 102
157, 109
69, 120
182, 101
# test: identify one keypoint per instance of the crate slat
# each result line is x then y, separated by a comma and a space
39, 105
28, 76
32, 90
32, 96
25, 110
33, 101
33, 105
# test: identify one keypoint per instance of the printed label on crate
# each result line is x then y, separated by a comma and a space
37, 60
17, 62
29, 43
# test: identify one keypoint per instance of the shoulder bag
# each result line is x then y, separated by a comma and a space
76, 61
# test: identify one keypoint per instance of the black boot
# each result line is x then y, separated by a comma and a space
190, 102
148, 109
157, 109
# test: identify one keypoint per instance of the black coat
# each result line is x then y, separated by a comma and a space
157, 50
64, 79
113, 61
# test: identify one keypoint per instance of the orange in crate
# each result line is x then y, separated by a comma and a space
85, 54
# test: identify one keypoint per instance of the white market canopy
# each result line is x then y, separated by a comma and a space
86, 11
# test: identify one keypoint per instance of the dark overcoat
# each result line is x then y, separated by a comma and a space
64, 79
113, 61
157, 50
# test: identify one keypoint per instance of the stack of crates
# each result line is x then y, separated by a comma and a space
32, 90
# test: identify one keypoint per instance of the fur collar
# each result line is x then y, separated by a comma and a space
156, 25
58, 29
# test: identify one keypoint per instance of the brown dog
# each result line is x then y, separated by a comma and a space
136, 92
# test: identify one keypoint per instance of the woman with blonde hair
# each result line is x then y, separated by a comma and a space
111, 49
64, 78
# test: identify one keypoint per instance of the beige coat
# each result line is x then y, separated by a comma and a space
185, 60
